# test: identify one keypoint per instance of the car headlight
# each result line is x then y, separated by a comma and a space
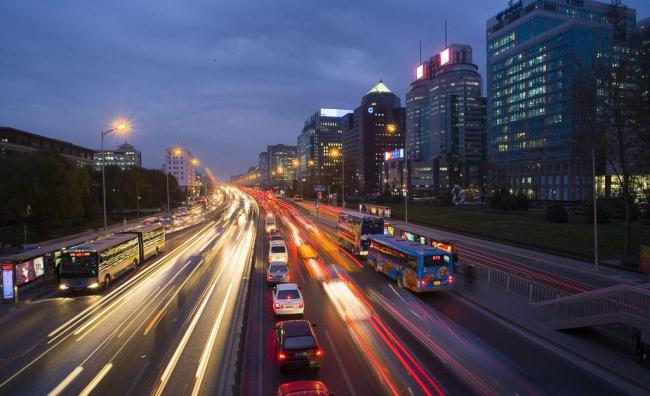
63, 287
93, 285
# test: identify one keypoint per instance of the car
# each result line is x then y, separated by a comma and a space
303, 388
287, 300
269, 225
278, 252
277, 273
275, 236
296, 344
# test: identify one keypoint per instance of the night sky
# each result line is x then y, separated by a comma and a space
224, 78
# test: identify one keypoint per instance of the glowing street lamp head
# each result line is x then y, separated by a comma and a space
177, 152
195, 161
391, 128
121, 126
335, 153
295, 162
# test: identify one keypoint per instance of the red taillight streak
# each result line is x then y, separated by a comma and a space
373, 359
351, 257
396, 342
401, 359
515, 268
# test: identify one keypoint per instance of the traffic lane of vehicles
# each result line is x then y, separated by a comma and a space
393, 363
77, 341
28, 324
343, 369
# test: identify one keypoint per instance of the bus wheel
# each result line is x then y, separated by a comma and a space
107, 281
400, 281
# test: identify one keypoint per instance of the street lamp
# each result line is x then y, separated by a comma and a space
120, 126
335, 153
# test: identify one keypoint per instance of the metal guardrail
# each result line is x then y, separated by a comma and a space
523, 287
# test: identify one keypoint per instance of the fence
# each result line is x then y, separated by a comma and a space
521, 286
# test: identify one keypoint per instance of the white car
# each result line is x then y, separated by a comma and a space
269, 225
287, 300
278, 252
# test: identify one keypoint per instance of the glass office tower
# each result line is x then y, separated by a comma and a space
535, 51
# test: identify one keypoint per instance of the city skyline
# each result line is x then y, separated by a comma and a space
212, 89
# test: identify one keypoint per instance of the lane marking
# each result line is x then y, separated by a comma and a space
66, 381
339, 361
102, 373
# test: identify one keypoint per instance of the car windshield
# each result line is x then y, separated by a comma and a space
278, 249
278, 268
300, 342
288, 294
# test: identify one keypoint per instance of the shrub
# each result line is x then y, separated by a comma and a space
555, 213
604, 212
504, 200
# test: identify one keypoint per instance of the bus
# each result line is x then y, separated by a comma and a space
354, 230
98, 262
151, 240
415, 266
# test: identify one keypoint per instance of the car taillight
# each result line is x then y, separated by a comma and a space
288, 277
319, 352
281, 356
269, 277
277, 305
301, 304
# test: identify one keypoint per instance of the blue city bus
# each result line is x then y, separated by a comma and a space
354, 230
413, 265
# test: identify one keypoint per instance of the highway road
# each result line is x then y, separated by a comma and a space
165, 329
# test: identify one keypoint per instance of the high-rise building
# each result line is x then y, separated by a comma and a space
375, 127
320, 145
536, 49
445, 124
282, 166
126, 156
265, 174
180, 163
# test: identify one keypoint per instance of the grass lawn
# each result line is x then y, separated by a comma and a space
529, 228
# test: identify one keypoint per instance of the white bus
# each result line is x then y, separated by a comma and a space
98, 262
151, 239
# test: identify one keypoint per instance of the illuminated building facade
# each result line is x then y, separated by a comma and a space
445, 124
375, 127
320, 145
535, 51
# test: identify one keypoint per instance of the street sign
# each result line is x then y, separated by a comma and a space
319, 188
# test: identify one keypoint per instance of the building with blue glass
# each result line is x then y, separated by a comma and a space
536, 50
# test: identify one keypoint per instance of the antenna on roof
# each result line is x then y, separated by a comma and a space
445, 33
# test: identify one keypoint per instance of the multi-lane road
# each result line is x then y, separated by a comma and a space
198, 320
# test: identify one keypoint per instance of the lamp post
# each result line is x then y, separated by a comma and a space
335, 154
120, 126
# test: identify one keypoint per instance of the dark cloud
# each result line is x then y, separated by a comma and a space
226, 78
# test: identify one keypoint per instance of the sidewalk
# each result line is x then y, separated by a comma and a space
608, 360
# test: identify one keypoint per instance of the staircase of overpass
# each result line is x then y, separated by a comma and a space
619, 304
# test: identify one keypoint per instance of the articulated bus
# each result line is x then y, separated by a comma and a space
98, 262
413, 265
150, 238
354, 230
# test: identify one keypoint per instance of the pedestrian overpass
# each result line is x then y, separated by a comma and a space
619, 304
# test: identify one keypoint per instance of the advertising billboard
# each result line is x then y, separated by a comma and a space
25, 272
39, 266
395, 154
7, 281
419, 72
444, 57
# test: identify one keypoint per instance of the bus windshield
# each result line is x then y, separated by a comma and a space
372, 226
75, 265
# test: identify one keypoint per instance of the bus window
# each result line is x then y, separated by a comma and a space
375, 226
